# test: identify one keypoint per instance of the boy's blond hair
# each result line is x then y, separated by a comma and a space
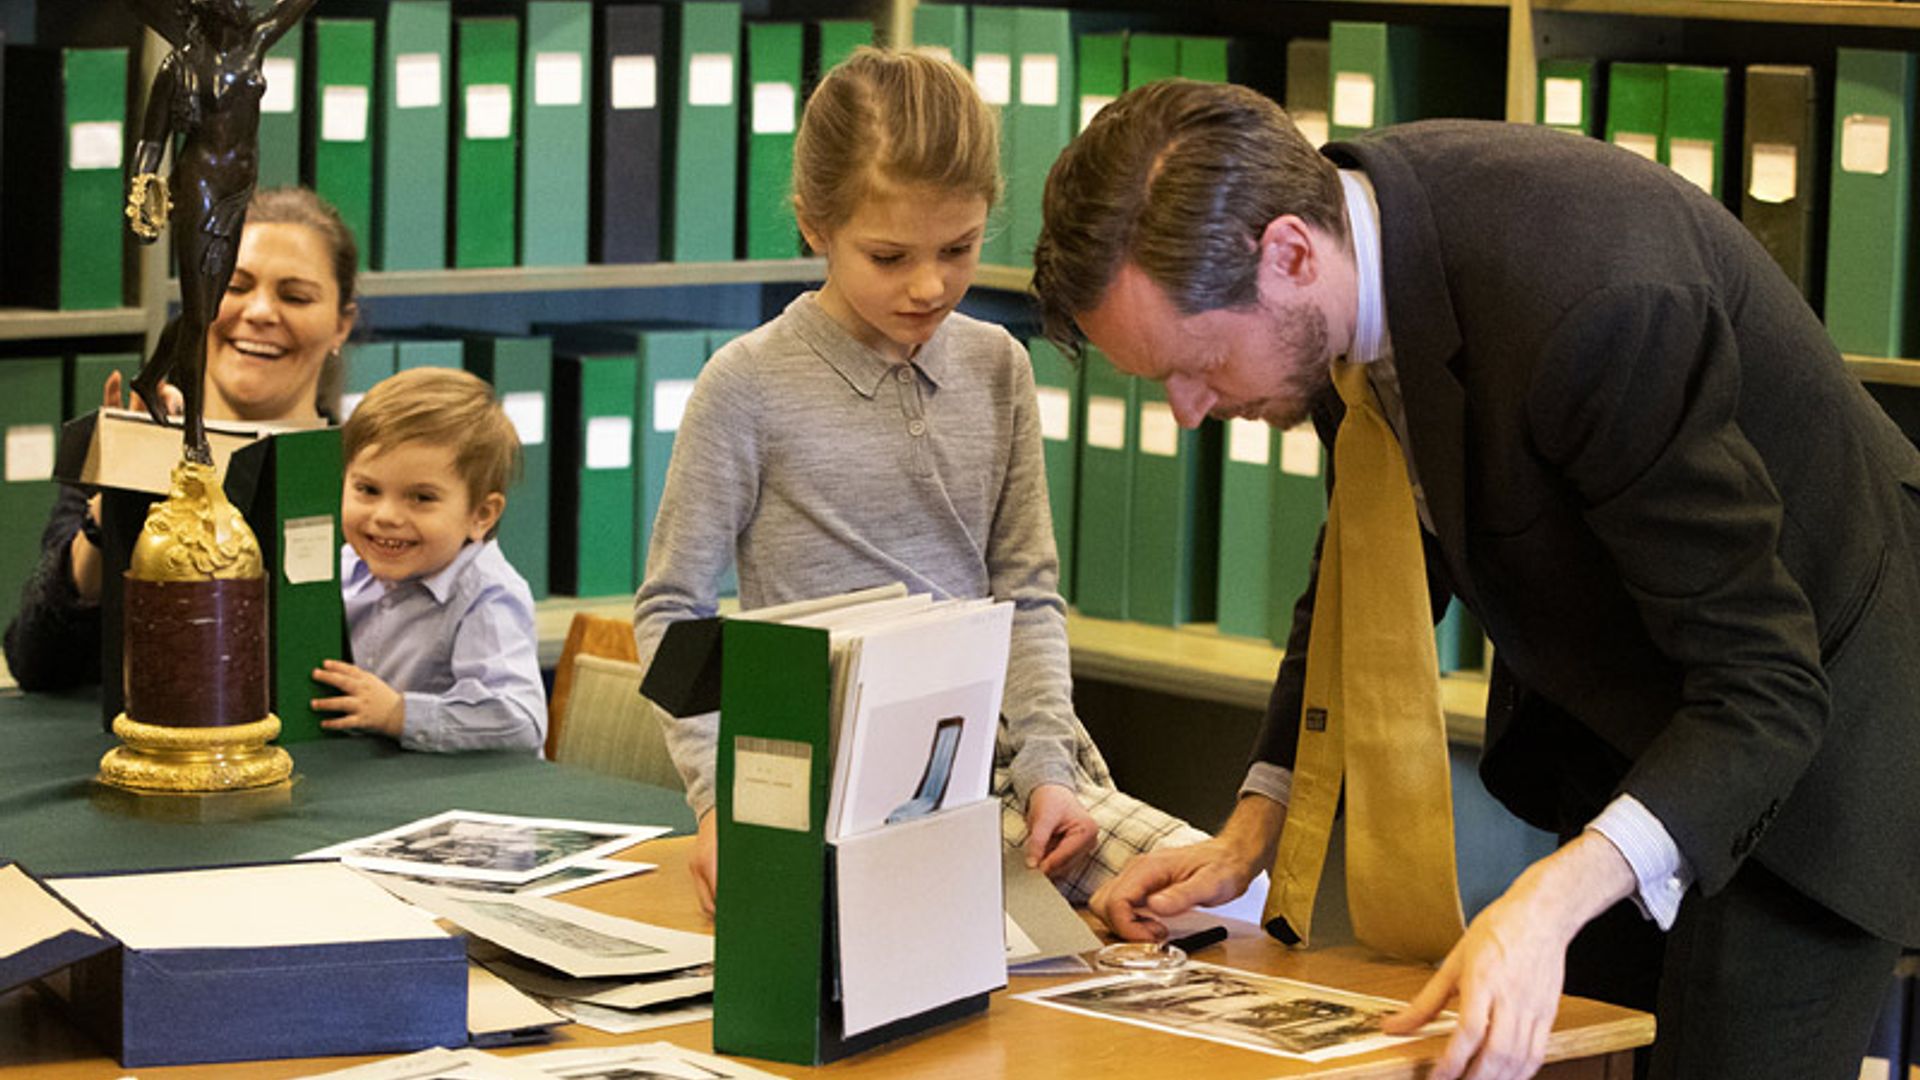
883, 116
440, 407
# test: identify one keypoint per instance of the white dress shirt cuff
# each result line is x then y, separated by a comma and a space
1273, 781
1663, 874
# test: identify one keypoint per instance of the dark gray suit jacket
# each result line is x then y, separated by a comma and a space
1691, 535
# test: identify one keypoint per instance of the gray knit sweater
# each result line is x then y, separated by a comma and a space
820, 467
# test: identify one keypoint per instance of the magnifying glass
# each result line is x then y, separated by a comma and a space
1155, 958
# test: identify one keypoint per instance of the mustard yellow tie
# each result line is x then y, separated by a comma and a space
1371, 712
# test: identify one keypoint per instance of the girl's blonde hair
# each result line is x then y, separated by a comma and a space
892, 117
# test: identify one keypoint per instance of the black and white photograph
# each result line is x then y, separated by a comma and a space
570, 939
565, 879
474, 846
1259, 1012
649, 1061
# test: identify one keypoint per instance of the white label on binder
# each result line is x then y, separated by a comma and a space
1563, 102
489, 111
1107, 423
94, 144
1353, 99
1300, 451
774, 105
1090, 106
670, 398
1693, 159
1159, 431
1312, 124
1647, 146
635, 82
343, 114
710, 79
610, 442
1248, 441
348, 403
308, 554
527, 410
1056, 413
993, 75
1773, 176
772, 783
29, 452
938, 51
283, 84
416, 81
558, 78
1866, 144
1039, 79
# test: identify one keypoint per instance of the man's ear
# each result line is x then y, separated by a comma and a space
486, 514
1290, 252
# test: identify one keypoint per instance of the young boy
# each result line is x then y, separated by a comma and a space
441, 625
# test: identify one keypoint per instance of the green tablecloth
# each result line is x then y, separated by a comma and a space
54, 819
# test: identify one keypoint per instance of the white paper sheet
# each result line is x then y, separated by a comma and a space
283, 85
489, 111
1056, 413
670, 397
775, 105
478, 846
1159, 431
527, 409
307, 551
993, 76
563, 936
94, 144
1353, 94
1300, 451
417, 81
343, 114
29, 452
1563, 101
609, 442
1866, 144
710, 79
1249, 442
635, 82
1775, 175
558, 78
1106, 423
1039, 79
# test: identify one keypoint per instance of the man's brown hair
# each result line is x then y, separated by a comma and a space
1179, 178
440, 407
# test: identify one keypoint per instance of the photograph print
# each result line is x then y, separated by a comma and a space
476, 846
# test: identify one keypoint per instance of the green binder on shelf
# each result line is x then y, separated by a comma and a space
1390, 73
667, 360
1870, 227
1101, 72
1780, 150
942, 28
1459, 640
411, 352
288, 486
1694, 140
774, 58
706, 37
992, 36
1243, 603
1152, 57
341, 139
1637, 107
280, 112
1043, 118
1207, 59
1057, 393
1173, 526
412, 152
486, 141
521, 371
87, 377
1106, 488
1309, 84
1299, 509
556, 133
1567, 98
30, 416
834, 40
593, 473
65, 177
363, 364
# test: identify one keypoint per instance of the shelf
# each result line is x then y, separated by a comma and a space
1876, 369
1010, 278
1804, 12
1199, 662
532, 279
24, 324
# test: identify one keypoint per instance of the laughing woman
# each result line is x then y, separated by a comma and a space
272, 357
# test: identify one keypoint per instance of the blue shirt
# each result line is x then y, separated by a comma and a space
459, 644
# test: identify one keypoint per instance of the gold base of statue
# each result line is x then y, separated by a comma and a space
195, 759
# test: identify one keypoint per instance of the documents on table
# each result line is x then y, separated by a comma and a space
1041, 925
476, 846
565, 879
578, 942
664, 1061
1225, 1005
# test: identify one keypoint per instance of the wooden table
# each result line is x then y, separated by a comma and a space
1591, 1041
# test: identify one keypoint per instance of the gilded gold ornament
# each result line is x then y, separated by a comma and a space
195, 534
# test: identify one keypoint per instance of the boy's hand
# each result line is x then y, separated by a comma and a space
366, 703
1059, 829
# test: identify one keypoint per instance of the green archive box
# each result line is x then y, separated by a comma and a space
556, 133
1173, 523
1057, 398
1871, 238
1247, 467
340, 146
521, 371
706, 117
1105, 489
280, 112
412, 152
30, 415
486, 141
774, 59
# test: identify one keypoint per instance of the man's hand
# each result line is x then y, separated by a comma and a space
1059, 829
1507, 971
1159, 884
365, 703
705, 864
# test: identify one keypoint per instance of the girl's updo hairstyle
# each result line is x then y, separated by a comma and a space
896, 118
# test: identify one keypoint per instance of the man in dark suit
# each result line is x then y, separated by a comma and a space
1637, 457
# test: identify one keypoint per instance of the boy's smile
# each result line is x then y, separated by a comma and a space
407, 511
